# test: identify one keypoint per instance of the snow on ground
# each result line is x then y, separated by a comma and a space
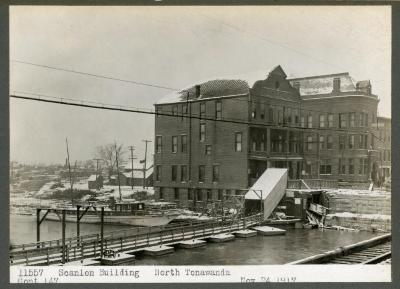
354, 192
360, 216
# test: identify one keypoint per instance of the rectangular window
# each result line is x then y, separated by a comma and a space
309, 121
342, 167
159, 111
175, 110
321, 120
296, 116
158, 144
209, 195
288, 115
302, 121
202, 134
262, 111
199, 194
309, 143
271, 115
321, 142
361, 119
220, 194
351, 167
174, 144
202, 110
352, 119
218, 110
184, 143
174, 173
351, 141
342, 142
329, 142
343, 120
176, 193
253, 110
308, 168
330, 120
184, 111
190, 194
208, 150
202, 173
158, 173
325, 167
238, 141
280, 117
183, 173
215, 176
161, 193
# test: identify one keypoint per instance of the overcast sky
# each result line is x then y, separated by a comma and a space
173, 47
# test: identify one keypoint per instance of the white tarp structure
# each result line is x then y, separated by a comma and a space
271, 187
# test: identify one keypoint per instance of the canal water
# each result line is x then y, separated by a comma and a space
296, 244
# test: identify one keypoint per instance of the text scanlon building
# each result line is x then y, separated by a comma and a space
219, 136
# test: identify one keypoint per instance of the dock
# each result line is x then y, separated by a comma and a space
91, 248
269, 231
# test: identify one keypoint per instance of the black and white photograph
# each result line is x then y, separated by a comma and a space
191, 143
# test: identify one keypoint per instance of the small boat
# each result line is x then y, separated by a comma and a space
132, 213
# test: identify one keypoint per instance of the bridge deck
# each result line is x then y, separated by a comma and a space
134, 240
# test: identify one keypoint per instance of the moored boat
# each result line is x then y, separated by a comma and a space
124, 213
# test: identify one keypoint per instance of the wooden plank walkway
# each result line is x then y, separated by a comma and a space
132, 240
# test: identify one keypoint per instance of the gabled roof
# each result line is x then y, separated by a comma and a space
221, 86
323, 84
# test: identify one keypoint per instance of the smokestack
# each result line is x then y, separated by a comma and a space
197, 87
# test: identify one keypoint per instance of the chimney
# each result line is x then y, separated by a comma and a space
336, 85
197, 87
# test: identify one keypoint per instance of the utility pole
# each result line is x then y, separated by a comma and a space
97, 167
69, 171
145, 163
119, 183
131, 148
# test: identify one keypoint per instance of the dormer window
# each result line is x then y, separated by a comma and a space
277, 84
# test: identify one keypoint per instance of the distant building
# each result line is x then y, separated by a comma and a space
217, 138
95, 182
125, 178
383, 144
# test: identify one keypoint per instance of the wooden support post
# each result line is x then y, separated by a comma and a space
101, 231
38, 226
63, 237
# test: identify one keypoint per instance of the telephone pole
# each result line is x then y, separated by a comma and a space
119, 183
131, 148
69, 171
145, 163
97, 171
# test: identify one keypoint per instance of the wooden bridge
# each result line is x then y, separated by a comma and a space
130, 240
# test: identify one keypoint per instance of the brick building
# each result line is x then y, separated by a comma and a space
219, 136
342, 112
383, 131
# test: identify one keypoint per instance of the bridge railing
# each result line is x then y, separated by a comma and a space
90, 246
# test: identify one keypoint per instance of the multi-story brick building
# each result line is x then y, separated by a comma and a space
383, 131
341, 112
219, 136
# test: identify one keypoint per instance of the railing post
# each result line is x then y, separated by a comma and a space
26, 258
82, 244
121, 243
47, 256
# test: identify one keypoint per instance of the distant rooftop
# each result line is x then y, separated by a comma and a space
219, 86
323, 84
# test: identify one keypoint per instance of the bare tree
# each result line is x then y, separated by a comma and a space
107, 154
